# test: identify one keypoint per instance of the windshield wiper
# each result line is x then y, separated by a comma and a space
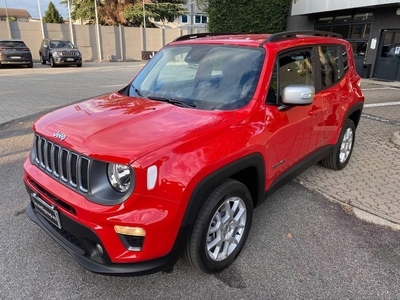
137, 91
172, 101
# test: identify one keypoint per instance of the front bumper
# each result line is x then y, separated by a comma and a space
84, 225
80, 242
61, 60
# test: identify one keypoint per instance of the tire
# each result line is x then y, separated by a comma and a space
218, 237
30, 65
79, 65
341, 153
52, 64
42, 60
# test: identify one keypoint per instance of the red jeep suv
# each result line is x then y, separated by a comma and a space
176, 161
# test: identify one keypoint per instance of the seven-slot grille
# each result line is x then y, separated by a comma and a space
69, 53
68, 167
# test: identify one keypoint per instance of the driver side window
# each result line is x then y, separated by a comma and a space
291, 68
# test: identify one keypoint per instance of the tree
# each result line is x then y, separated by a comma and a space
52, 15
125, 12
165, 10
258, 16
82, 9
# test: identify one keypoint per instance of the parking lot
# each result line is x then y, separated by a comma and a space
301, 244
28, 91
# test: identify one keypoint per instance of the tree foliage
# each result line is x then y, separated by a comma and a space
82, 9
127, 12
52, 15
165, 10
257, 16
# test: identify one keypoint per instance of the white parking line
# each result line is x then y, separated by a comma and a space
381, 104
382, 88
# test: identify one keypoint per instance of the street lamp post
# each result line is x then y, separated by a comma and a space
70, 23
41, 20
8, 20
144, 27
98, 30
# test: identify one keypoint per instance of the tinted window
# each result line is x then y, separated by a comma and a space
294, 68
12, 44
333, 62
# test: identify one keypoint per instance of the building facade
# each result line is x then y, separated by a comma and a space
14, 14
371, 26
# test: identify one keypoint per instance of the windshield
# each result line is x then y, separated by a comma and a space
208, 76
61, 44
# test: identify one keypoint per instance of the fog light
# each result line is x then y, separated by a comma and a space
136, 231
99, 250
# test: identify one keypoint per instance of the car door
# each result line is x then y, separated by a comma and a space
290, 128
332, 91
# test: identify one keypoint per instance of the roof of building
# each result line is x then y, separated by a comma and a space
15, 12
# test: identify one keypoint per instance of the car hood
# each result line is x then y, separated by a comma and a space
121, 129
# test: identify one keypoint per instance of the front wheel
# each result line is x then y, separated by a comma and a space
52, 64
341, 153
221, 228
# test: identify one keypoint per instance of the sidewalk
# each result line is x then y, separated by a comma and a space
370, 184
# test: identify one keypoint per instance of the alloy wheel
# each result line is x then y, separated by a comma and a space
226, 229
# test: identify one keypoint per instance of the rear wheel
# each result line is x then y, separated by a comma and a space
221, 228
42, 60
340, 155
79, 65
30, 65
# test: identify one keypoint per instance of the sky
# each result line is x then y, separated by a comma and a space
33, 8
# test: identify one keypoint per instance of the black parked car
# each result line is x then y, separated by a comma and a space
15, 52
59, 52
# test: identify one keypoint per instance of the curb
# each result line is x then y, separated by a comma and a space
396, 138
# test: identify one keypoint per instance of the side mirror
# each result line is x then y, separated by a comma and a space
45, 46
298, 94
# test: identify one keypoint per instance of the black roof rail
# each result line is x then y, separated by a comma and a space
202, 35
292, 34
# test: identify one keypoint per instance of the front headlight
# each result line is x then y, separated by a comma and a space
120, 177
55, 53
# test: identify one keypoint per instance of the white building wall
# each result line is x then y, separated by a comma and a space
302, 7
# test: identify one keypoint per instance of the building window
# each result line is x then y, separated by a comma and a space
362, 17
203, 19
184, 19
325, 20
360, 31
343, 18
342, 29
197, 19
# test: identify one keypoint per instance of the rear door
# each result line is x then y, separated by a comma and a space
332, 92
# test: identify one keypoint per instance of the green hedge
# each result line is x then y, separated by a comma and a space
257, 16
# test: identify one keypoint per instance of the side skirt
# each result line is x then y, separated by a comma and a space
299, 168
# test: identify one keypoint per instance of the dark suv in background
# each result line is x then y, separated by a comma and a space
59, 52
15, 52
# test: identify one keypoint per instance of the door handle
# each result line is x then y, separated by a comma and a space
314, 111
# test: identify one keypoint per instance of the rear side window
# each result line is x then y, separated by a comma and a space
333, 62
12, 44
